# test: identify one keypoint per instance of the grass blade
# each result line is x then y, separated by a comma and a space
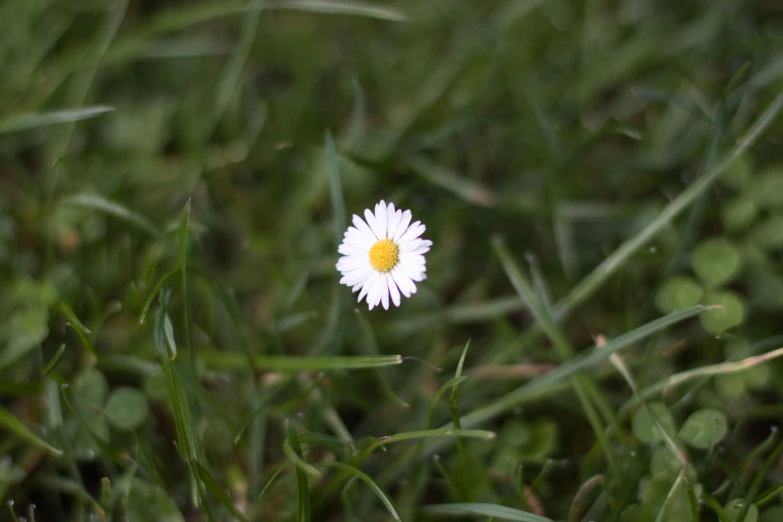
53, 362
293, 450
484, 510
703, 372
217, 491
18, 428
553, 381
31, 121
375, 488
98, 202
284, 363
341, 8
464, 188
611, 264
183, 264
163, 282
372, 346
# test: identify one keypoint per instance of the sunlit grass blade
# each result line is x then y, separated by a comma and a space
670, 495
483, 510
18, 428
216, 490
98, 202
282, 363
387, 502
32, 121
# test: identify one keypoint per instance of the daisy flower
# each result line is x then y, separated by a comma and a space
384, 255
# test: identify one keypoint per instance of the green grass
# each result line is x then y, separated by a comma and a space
599, 335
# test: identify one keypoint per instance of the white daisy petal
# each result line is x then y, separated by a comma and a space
414, 231
393, 290
412, 259
390, 218
403, 225
403, 282
351, 263
350, 250
385, 294
380, 216
376, 228
362, 227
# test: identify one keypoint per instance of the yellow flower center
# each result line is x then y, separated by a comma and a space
384, 255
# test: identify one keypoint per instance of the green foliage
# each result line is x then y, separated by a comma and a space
715, 261
645, 426
729, 311
175, 178
704, 428
127, 408
678, 293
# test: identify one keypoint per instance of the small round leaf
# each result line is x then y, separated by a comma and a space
766, 190
678, 293
704, 428
147, 501
127, 408
89, 392
644, 426
730, 386
757, 377
731, 312
715, 261
733, 508
768, 235
738, 214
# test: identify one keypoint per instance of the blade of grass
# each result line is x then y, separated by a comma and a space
464, 463
283, 363
552, 382
755, 487
81, 331
611, 264
563, 346
217, 491
464, 188
387, 502
371, 344
54, 360
98, 202
293, 450
163, 282
622, 370
703, 372
183, 264
483, 510
342, 7
18, 428
33, 121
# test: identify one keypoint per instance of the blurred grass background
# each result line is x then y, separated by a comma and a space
175, 178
